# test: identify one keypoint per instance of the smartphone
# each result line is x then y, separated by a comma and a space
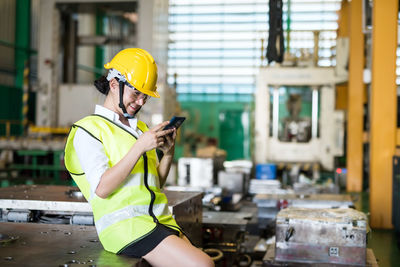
174, 122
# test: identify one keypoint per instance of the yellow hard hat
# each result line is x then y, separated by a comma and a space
138, 68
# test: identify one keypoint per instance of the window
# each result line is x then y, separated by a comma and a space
215, 45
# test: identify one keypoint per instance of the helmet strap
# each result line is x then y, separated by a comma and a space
121, 103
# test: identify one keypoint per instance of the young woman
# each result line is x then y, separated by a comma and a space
111, 157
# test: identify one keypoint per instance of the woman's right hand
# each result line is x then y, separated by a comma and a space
153, 138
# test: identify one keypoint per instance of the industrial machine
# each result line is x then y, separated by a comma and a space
71, 40
68, 42
295, 116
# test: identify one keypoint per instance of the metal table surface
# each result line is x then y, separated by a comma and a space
32, 244
44, 197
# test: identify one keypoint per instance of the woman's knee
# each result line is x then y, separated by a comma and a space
204, 261
209, 262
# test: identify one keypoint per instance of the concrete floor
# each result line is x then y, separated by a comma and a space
384, 243
385, 247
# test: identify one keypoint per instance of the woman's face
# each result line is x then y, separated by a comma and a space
133, 99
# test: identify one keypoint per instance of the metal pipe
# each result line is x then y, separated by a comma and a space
275, 112
316, 48
314, 115
288, 25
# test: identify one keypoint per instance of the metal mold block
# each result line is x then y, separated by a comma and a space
226, 226
321, 235
187, 209
225, 231
270, 204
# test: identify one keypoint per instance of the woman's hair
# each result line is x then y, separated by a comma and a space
102, 85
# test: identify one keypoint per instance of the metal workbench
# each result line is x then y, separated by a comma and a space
23, 203
33, 244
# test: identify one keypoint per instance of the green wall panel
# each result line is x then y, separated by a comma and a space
219, 120
100, 30
10, 109
232, 133
22, 39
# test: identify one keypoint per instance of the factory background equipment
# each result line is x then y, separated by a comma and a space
67, 44
211, 57
56, 45
93, 32
295, 115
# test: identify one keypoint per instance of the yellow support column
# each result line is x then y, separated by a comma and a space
344, 20
343, 32
355, 100
383, 111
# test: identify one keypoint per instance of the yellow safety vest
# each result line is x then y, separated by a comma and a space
132, 211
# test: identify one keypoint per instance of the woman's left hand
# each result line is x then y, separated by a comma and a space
167, 147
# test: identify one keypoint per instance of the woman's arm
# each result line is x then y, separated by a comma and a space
165, 164
116, 175
164, 167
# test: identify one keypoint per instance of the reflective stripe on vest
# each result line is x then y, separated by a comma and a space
124, 216
127, 213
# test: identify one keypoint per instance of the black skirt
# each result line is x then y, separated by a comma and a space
143, 246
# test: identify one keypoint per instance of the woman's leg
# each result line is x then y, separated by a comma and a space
174, 251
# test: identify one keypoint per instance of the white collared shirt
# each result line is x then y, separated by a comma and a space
90, 151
